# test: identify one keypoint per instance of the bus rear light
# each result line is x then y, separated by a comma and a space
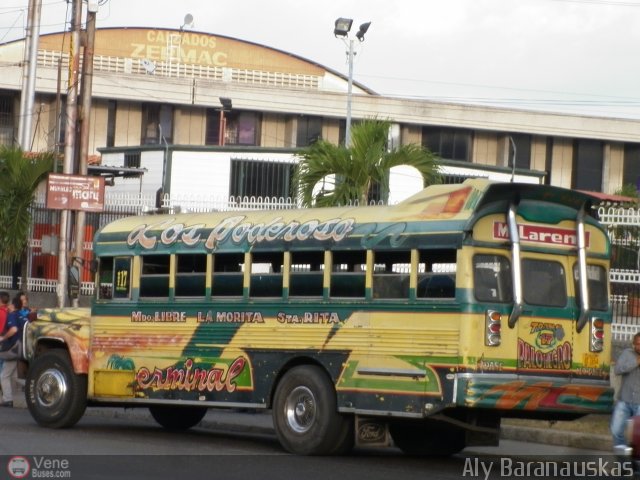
596, 342
493, 328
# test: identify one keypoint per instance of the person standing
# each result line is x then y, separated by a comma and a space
628, 404
10, 350
4, 312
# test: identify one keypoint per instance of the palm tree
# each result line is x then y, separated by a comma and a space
357, 170
20, 176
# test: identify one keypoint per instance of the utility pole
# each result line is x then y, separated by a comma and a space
69, 148
29, 74
85, 113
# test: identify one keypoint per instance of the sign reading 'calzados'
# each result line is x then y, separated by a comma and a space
539, 234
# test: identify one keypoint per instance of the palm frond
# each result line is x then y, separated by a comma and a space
19, 178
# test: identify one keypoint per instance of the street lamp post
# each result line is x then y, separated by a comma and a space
226, 107
341, 29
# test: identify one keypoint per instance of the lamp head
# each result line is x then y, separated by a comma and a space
363, 29
342, 27
226, 103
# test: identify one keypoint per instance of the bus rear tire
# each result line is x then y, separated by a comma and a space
430, 438
305, 414
56, 396
177, 418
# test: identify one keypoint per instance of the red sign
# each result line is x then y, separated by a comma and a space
540, 234
75, 192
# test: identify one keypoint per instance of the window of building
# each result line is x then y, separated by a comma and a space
132, 159
227, 275
309, 130
257, 178
240, 127
111, 123
157, 123
6, 119
448, 143
631, 173
62, 125
191, 275
307, 269
212, 127
523, 150
587, 165
154, 279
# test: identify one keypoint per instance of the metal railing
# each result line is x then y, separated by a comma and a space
141, 66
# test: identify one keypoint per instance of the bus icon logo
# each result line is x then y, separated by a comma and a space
18, 467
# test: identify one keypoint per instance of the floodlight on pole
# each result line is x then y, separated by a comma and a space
188, 21
341, 29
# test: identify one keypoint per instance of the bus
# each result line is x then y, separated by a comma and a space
419, 325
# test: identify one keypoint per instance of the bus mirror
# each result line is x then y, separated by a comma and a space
93, 266
74, 282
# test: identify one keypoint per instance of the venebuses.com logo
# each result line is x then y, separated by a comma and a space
18, 467
38, 467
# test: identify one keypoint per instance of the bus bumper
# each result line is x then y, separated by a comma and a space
533, 393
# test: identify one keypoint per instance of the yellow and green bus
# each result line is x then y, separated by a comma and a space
423, 323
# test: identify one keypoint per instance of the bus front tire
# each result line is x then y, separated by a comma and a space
429, 438
305, 414
56, 396
177, 418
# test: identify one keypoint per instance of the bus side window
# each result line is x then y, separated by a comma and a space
438, 286
191, 271
105, 278
348, 274
492, 278
266, 274
227, 275
437, 274
114, 278
154, 279
306, 274
391, 274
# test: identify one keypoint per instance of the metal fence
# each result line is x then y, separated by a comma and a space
623, 226
43, 266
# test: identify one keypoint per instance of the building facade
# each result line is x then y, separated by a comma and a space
227, 106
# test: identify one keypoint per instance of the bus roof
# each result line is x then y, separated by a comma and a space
438, 215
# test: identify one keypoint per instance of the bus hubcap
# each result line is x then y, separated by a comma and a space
51, 388
300, 409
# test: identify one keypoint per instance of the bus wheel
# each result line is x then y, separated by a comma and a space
177, 418
305, 414
427, 438
55, 395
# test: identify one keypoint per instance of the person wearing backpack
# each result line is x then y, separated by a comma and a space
9, 351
